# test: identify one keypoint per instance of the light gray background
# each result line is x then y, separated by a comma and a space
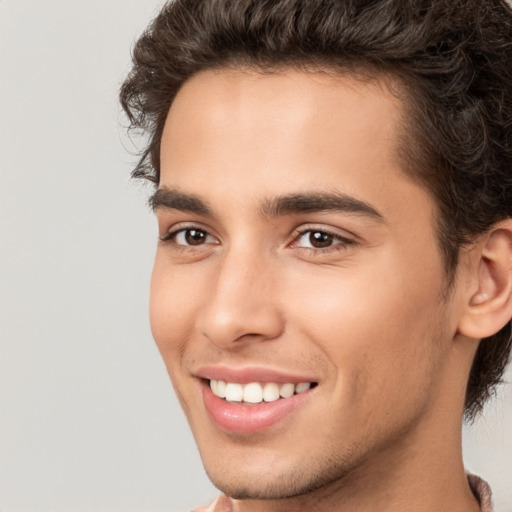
88, 420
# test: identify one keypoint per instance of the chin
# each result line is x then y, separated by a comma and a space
278, 481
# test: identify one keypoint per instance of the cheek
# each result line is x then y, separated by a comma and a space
377, 329
172, 305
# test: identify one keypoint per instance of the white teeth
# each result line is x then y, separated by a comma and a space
221, 389
234, 392
254, 392
287, 390
270, 392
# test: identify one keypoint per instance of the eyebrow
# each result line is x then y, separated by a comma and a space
317, 202
170, 199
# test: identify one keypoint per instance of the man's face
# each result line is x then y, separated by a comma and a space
298, 257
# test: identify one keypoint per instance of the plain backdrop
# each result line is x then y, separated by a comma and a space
88, 419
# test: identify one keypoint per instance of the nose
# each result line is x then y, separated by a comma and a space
242, 305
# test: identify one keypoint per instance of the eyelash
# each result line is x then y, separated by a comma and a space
339, 242
171, 237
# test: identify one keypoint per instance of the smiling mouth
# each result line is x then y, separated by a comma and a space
256, 392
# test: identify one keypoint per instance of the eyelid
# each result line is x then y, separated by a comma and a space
338, 233
174, 230
343, 240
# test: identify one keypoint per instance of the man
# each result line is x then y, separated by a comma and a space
332, 288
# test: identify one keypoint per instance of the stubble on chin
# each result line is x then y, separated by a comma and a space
321, 478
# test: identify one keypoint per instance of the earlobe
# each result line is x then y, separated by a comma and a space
489, 298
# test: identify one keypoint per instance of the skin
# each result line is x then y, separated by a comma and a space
367, 316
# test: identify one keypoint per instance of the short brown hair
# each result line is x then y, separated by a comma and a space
454, 57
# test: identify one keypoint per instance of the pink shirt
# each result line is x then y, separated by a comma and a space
479, 487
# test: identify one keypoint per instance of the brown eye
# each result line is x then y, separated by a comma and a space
320, 239
191, 237
195, 236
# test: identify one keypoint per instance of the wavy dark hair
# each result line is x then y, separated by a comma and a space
453, 59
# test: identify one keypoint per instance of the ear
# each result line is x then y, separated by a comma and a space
488, 299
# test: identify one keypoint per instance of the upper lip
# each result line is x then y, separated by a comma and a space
251, 374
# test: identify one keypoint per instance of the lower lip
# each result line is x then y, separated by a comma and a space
248, 419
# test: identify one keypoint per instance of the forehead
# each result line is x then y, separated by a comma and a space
282, 133
301, 104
